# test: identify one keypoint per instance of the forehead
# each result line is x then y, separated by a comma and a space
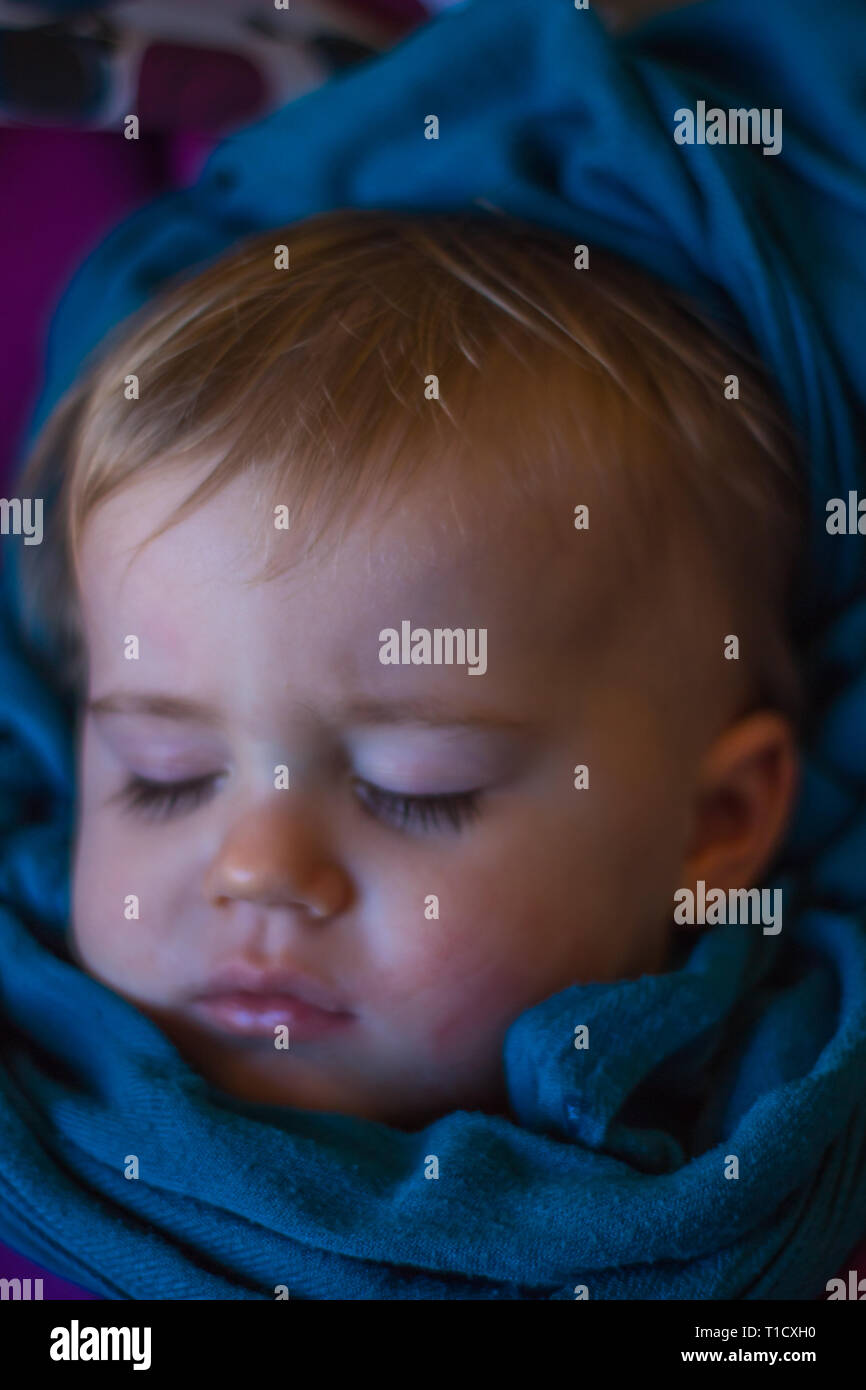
451, 554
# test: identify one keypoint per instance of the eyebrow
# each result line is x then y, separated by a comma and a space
422, 710
428, 710
157, 705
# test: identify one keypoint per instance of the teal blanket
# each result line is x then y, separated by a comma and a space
612, 1179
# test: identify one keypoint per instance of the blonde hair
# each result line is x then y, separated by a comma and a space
315, 375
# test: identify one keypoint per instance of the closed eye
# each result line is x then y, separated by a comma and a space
160, 800
403, 810
163, 800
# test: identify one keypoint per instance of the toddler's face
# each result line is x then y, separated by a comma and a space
541, 886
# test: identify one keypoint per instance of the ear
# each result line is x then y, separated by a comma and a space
743, 801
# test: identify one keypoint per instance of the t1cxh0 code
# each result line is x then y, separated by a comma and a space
724, 1334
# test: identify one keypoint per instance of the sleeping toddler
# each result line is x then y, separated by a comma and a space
331, 852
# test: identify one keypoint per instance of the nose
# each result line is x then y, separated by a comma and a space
272, 856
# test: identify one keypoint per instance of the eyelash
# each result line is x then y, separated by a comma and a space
457, 808
162, 800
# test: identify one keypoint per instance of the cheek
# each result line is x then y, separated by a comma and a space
476, 1007
97, 902
108, 868
456, 981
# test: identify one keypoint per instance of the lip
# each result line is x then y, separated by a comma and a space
257, 1015
242, 976
242, 998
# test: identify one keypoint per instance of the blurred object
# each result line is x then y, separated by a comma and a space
627, 14
206, 65
67, 189
70, 71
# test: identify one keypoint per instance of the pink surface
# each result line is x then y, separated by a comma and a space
64, 189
